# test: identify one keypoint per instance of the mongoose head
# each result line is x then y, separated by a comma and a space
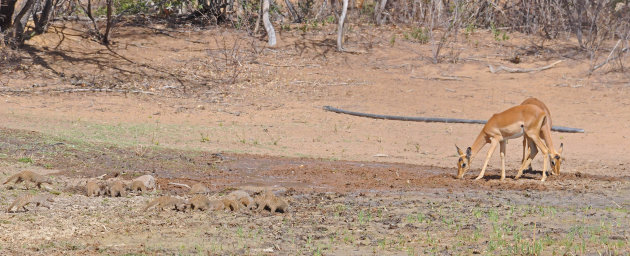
182, 205
463, 164
48, 180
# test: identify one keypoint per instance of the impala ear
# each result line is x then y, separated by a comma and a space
468, 153
561, 147
459, 151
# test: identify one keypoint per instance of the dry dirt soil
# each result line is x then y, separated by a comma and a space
216, 106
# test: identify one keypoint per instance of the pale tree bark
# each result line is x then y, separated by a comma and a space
379, 7
340, 26
321, 10
271, 33
260, 13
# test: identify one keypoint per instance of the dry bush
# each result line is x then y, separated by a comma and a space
591, 22
8, 57
594, 23
226, 62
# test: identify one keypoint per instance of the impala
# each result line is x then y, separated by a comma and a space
522, 120
555, 156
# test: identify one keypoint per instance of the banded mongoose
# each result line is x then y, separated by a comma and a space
199, 202
167, 202
199, 188
23, 201
271, 202
241, 197
137, 185
30, 177
95, 188
117, 188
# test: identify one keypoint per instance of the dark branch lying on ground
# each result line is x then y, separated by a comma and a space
435, 119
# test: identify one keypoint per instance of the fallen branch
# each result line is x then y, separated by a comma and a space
287, 66
179, 185
443, 78
14, 91
610, 57
435, 119
104, 90
521, 70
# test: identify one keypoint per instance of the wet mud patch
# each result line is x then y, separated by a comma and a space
221, 171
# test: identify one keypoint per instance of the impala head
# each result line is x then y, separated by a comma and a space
463, 164
556, 160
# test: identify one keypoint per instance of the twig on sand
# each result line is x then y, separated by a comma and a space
353, 51
179, 185
287, 66
105, 90
610, 57
443, 78
521, 70
618, 206
14, 90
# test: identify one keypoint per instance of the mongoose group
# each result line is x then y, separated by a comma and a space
234, 201
22, 201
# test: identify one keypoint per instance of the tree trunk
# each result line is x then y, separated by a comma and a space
271, 33
379, 7
260, 13
333, 8
7, 7
19, 23
36, 6
88, 12
340, 26
321, 9
294, 14
109, 22
42, 23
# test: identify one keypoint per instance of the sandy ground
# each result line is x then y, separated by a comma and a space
196, 95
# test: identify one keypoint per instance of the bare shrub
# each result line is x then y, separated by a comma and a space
226, 62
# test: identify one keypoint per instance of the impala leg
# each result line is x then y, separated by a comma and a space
545, 151
526, 152
532, 149
503, 145
493, 146
545, 134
